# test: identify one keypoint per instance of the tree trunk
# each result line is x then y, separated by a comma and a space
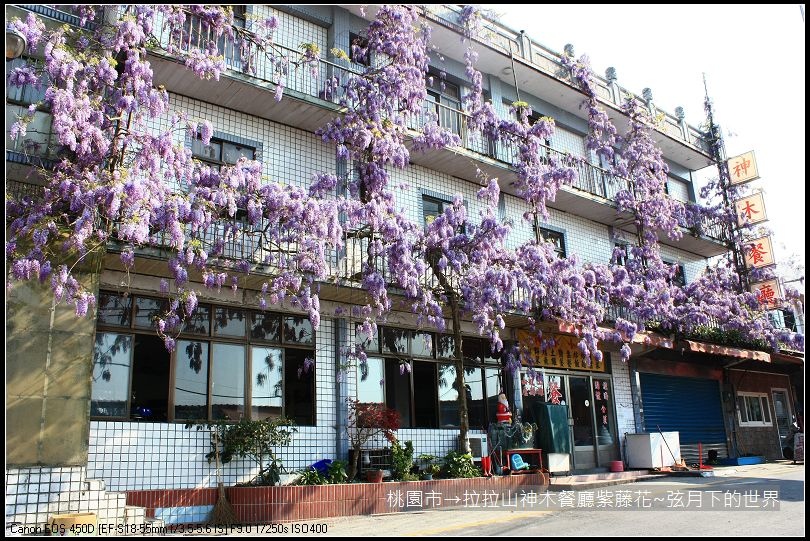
353, 465
464, 421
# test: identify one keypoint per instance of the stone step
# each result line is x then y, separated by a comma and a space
134, 515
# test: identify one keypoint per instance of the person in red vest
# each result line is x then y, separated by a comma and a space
503, 415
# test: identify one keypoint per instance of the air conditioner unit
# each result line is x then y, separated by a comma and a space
479, 445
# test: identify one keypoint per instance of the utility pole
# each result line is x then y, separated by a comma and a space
718, 153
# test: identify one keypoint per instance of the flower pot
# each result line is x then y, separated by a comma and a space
374, 476
427, 477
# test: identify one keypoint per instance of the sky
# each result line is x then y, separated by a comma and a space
754, 60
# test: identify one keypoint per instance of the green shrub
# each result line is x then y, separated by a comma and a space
311, 477
459, 465
336, 473
402, 459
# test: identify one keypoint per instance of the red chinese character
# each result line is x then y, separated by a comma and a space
757, 253
766, 295
604, 420
742, 168
554, 392
748, 210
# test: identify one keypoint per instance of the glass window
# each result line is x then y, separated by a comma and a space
367, 342
371, 381
267, 383
446, 347
493, 388
425, 397
265, 327
228, 381
474, 385
232, 152
532, 390
299, 386
395, 340
298, 329
147, 311
555, 390
114, 309
448, 396
556, 239
422, 344
111, 364
191, 380
151, 364
398, 390
200, 321
754, 409
605, 432
431, 208
229, 321
472, 350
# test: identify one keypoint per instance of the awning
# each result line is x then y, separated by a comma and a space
714, 349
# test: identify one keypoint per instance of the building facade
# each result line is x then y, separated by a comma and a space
73, 419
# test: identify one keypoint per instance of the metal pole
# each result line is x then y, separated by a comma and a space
719, 157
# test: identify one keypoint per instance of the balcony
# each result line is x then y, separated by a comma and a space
310, 102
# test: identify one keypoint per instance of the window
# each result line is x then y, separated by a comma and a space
621, 253
220, 152
556, 238
229, 363
753, 409
678, 276
431, 209
410, 372
358, 49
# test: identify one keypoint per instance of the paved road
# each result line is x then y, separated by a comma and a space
734, 504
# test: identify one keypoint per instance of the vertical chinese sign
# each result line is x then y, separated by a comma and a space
768, 293
750, 210
758, 253
743, 168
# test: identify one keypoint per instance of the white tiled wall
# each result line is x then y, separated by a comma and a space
623, 396
288, 155
34, 494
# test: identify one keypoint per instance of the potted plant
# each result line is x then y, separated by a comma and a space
429, 471
429, 468
368, 421
374, 476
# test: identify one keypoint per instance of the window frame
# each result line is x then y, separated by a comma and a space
483, 361
679, 278
248, 341
547, 232
764, 405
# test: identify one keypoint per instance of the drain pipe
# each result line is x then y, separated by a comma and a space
341, 392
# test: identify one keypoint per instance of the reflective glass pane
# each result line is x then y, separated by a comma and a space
191, 380
367, 342
267, 383
147, 310
265, 327
228, 381
298, 330
112, 355
422, 344
229, 321
114, 309
371, 381
446, 346
448, 395
200, 321
395, 340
